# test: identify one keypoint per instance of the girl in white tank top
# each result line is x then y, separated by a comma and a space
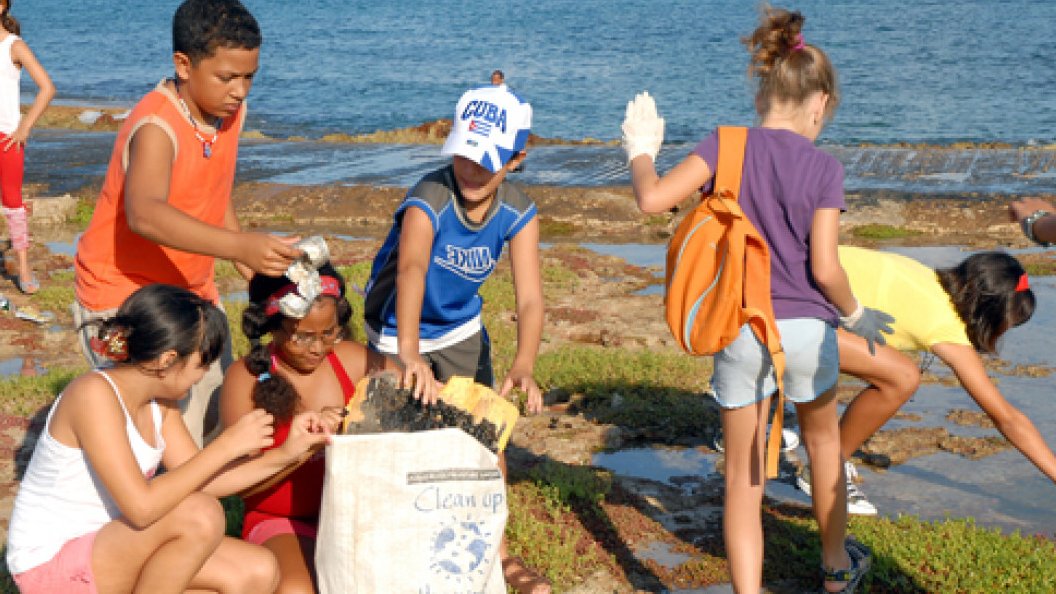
15, 56
92, 513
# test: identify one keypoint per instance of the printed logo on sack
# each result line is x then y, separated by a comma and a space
474, 264
485, 115
458, 552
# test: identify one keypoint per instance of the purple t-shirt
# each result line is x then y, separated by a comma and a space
785, 179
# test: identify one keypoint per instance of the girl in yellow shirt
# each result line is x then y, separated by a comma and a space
956, 313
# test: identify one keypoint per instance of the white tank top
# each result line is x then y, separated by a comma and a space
10, 93
61, 497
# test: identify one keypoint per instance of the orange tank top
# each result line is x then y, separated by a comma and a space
112, 261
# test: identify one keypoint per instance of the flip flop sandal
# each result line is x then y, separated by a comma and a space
30, 285
861, 559
31, 314
522, 578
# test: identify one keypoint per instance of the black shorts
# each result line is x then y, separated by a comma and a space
469, 358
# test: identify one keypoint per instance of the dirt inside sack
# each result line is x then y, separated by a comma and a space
384, 407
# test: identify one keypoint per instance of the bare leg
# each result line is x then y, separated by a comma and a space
165, 556
24, 272
519, 576
821, 437
892, 378
238, 567
184, 550
744, 434
296, 556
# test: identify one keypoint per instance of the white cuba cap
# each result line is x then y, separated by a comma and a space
491, 125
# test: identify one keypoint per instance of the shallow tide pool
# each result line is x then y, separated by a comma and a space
1003, 490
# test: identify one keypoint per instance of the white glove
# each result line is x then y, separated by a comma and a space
643, 128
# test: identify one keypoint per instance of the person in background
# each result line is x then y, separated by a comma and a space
307, 366
955, 313
93, 514
423, 303
1037, 218
15, 56
498, 78
164, 213
792, 193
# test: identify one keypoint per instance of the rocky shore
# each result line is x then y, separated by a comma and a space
607, 307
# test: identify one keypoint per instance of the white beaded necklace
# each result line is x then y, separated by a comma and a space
207, 145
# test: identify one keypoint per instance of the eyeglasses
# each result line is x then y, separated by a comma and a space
307, 339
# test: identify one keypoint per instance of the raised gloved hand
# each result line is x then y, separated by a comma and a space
871, 324
643, 128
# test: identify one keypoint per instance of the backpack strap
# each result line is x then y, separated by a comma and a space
732, 140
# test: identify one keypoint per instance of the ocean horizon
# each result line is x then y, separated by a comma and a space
922, 72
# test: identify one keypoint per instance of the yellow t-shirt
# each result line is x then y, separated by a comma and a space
909, 291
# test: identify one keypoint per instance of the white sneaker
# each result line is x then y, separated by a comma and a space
789, 440
857, 504
803, 479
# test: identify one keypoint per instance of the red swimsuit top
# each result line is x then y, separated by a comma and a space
300, 494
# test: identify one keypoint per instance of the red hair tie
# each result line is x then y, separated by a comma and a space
1023, 284
112, 345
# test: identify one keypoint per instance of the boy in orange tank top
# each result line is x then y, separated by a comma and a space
164, 213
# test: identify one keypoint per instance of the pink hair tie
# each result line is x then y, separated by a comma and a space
800, 44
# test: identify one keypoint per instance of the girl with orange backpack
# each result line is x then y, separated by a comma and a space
792, 192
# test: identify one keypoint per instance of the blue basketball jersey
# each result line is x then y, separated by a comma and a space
464, 254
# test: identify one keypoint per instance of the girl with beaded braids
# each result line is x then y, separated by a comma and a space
792, 193
307, 366
92, 514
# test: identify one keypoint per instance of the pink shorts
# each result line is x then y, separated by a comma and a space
68, 572
269, 528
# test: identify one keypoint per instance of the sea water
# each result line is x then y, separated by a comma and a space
925, 71
934, 72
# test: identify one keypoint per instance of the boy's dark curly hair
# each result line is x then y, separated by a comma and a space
983, 290
199, 27
275, 394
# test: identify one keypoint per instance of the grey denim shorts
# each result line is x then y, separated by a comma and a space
744, 373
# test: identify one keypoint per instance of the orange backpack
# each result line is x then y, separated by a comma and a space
718, 277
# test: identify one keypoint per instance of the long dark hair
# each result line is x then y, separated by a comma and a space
159, 318
9, 22
274, 393
983, 289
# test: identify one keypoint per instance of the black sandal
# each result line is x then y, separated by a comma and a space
861, 559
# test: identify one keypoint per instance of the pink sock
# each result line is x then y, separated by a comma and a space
17, 227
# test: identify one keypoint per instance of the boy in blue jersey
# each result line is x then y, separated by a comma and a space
423, 304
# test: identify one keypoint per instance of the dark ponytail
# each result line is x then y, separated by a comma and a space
272, 392
9, 22
985, 290
159, 318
